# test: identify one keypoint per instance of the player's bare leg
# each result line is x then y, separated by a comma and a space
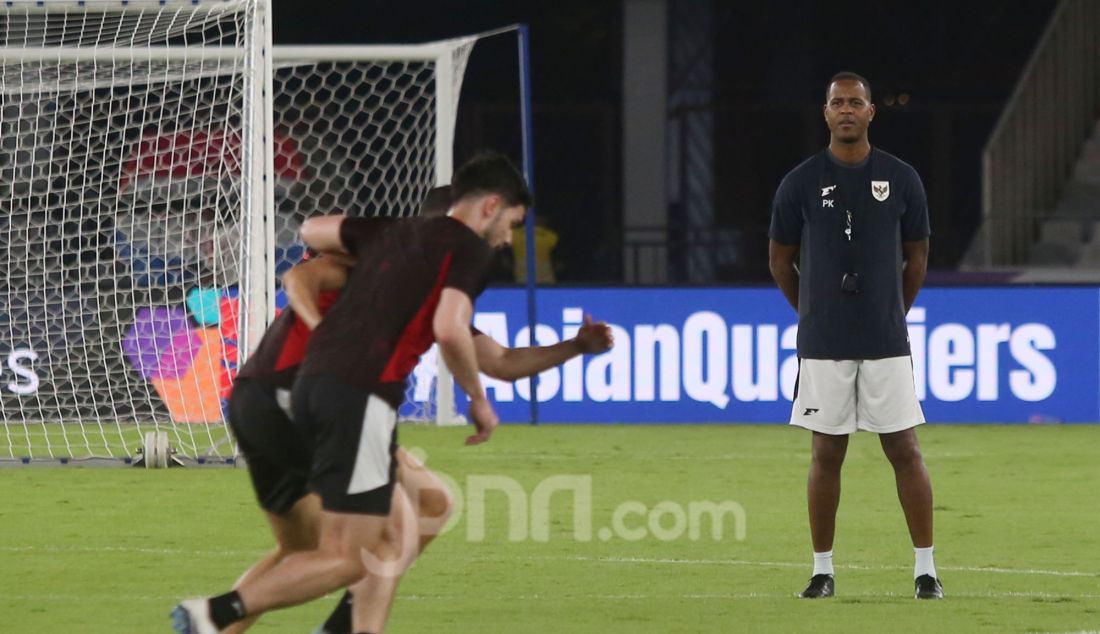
430, 499
296, 530
336, 563
425, 506
915, 495
823, 487
823, 498
303, 576
373, 596
914, 485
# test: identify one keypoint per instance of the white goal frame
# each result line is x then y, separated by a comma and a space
253, 64
256, 254
449, 70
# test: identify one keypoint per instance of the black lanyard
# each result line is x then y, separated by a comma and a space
849, 212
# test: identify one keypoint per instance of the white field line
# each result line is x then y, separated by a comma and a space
125, 598
130, 549
585, 455
790, 564
531, 456
749, 595
582, 558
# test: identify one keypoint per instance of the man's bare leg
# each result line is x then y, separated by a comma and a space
430, 499
296, 530
822, 500
914, 484
915, 495
304, 576
426, 507
373, 595
823, 488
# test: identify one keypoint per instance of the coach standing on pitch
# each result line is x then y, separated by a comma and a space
849, 249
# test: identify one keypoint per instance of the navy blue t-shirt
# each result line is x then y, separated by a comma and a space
882, 202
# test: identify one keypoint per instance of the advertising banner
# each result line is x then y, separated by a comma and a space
727, 355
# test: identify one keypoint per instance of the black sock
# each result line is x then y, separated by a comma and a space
226, 609
340, 620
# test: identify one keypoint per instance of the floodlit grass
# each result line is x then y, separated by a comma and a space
112, 550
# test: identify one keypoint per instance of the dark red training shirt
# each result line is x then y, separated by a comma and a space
374, 335
280, 353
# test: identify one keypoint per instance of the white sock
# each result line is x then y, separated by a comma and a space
924, 565
823, 563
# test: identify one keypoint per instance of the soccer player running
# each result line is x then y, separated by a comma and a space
416, 284
849, 249
278, 460
422, 505
275, 451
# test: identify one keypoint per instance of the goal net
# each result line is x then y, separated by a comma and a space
367, 131
156, 159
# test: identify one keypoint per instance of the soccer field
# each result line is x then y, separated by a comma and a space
112, 550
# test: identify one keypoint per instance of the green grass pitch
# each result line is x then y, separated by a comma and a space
1017, 537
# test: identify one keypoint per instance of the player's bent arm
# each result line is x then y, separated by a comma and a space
451, 326
305, 282
509, 364
322, 233
783, 261
915, 255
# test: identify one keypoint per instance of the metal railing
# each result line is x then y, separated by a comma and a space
1035, 144
672, 255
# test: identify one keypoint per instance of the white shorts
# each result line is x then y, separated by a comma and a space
841, 397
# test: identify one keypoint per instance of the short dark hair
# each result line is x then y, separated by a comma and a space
437, 202
847, 75
489, 172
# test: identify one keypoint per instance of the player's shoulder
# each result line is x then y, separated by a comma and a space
358, 230
453, 234
366, 222
895, 165
445, 227
430, 228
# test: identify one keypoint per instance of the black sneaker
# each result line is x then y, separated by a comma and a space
820, 587
928, 587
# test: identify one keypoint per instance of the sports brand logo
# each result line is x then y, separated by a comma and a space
810, 411
825, 191
880, 190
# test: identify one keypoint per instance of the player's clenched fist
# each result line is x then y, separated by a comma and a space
484, 419
594, 337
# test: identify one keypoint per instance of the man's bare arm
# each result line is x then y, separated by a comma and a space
451, 326
783, 262
509, 364
305, 282
915, 254
322, 233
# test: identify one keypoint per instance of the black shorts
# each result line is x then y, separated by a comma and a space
276, 452
353, 433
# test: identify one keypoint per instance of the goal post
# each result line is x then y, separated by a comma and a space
373, 127
131, 158
156, 159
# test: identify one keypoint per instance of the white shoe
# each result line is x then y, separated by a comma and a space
193, 617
